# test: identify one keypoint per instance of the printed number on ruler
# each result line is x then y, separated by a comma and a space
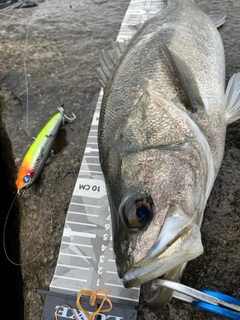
105, 241
90, 188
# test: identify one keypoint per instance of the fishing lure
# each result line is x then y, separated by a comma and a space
33, 163
39, 151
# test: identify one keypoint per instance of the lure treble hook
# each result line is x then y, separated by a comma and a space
61, 110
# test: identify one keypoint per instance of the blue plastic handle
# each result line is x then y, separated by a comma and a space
217, 311
222, 296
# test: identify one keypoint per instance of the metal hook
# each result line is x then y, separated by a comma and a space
21, 192
61, 110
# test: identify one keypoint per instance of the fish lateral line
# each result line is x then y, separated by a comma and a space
171, 147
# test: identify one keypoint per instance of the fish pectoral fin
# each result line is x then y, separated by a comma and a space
218, 19
232, 96
135, 27
186, 79
108, 60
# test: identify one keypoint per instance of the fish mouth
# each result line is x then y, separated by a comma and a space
168, 262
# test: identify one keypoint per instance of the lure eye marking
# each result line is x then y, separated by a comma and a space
26, 179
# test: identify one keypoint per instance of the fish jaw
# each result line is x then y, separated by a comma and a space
179, 242
187, 246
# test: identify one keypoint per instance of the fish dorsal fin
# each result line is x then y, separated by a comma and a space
186, 79
233, 98
108, 61
218, 19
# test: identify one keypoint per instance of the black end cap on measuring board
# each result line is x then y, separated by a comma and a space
54, 299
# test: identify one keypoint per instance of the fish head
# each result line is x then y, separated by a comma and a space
156, 177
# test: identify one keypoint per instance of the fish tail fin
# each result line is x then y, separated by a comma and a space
232, 96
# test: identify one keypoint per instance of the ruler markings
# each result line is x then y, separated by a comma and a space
63, 289
90, 149
84, 214
85, 205
74, 255
66, 265
91, 164
92, 140
112, 272
91, 157
73, 265
90, 144
82, 223
118, 285
86, 176
113, 284
78, 244
69, 233
90, 171
69, 278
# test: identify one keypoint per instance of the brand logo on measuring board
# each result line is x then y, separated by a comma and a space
65, 313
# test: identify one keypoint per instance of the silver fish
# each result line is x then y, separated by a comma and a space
162, 132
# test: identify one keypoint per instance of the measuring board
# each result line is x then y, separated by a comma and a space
86, 259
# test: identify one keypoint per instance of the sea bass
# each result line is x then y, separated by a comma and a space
161, 140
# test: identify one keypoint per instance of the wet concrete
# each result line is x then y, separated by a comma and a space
47, 58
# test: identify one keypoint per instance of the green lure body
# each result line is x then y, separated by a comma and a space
39, 151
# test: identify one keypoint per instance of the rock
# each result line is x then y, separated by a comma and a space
48, 54
47, 59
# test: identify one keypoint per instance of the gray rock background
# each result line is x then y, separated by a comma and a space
47, 58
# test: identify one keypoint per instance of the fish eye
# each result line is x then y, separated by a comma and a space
137, 210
